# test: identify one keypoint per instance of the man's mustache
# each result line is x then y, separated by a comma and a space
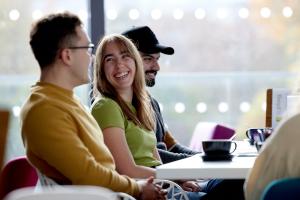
151, 71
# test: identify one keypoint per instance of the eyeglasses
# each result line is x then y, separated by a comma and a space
90, 47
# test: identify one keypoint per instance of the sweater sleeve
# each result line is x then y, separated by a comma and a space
168, 156
169, 140
178, 148
54, 143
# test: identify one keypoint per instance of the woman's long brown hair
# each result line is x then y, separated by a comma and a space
141, 100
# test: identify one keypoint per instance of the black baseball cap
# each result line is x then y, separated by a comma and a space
146, 41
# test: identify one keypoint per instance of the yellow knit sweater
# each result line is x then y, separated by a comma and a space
64, 142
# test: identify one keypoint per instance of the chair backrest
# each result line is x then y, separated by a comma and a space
63, 193
208, 131
174, 191
286, 188
4, 122
43, 181
17, 173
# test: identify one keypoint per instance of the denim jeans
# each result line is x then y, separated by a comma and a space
218, 189
191, 195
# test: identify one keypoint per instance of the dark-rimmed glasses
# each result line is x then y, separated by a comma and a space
89, 47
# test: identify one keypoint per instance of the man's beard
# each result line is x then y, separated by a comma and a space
150, 82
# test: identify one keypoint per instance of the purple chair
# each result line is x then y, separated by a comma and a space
17, 173
208, 131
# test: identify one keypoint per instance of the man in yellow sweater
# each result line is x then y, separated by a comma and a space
62, 139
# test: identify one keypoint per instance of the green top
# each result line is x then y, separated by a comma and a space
141, 142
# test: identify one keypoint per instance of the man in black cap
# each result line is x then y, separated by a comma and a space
146, 42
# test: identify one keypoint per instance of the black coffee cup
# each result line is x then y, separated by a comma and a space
218, 147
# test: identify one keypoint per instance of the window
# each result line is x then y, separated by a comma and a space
227, 53
18, 68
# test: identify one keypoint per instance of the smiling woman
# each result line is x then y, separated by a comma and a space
124, 111
118, 74
119, 68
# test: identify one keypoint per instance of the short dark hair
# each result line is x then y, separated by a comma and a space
51, 33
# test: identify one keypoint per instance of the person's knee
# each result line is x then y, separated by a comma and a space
225, 189
196, 195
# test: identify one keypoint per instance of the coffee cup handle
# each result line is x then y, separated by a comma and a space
235, 146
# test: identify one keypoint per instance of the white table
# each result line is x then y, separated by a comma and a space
195, 168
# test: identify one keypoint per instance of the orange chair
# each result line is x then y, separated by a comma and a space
17, 173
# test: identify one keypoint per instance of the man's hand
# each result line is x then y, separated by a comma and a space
190, 186
150, 191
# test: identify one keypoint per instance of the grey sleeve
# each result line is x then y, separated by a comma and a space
178, 148
167, 156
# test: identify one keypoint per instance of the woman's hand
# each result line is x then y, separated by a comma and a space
151, 191
190, 186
